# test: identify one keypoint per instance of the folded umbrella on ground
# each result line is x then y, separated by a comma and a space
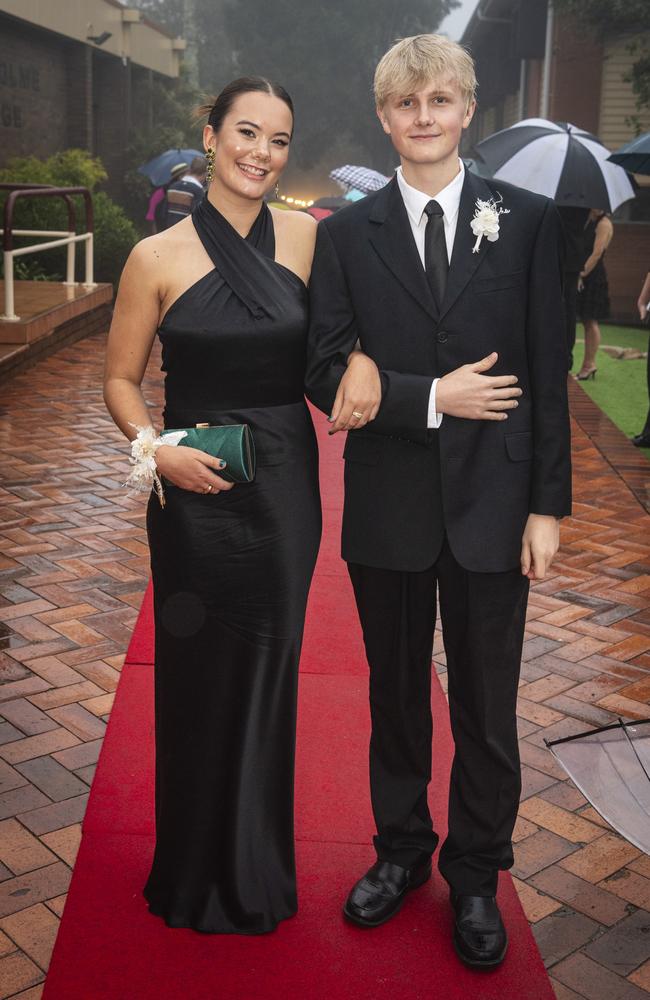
634, 156
611, 767
159, 170
559, 160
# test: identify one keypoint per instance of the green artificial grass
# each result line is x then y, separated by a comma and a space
620, 386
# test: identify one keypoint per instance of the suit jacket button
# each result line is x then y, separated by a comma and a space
442, 337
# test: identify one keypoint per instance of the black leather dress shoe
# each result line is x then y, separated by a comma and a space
480, 938
641, 440
380, 894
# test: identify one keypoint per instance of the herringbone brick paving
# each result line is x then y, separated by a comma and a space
73, 568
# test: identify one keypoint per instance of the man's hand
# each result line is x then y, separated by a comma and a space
467, 392
539, 545
359, 395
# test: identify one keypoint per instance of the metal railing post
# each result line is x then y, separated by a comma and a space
9, 314
70, 266
90, 276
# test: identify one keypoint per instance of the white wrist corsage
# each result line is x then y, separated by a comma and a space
144, 446
486, 221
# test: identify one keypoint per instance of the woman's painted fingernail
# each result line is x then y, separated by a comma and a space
330, 420
222, 464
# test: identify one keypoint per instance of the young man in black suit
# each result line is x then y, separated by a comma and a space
457, 469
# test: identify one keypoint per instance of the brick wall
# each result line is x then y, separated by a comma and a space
79, 89
576, 76
627, 262
56, 93
111, 109
33, 93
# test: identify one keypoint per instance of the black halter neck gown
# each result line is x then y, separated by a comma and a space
231, 574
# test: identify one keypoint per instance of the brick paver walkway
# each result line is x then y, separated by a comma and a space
73, 567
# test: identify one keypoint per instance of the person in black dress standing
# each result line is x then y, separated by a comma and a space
226, 291
642, 440
593, 291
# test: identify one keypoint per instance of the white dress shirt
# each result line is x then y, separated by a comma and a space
415, 202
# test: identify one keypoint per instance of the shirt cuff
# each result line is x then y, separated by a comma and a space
434, 419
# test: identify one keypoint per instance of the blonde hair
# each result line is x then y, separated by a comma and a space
413, 61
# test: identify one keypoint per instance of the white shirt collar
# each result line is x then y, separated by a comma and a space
191, 179
448, 199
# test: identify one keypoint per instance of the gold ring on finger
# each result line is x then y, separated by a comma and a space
355, 413
208, 489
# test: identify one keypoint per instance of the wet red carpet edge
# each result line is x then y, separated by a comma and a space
110, 947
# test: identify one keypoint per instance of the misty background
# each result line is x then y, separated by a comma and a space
323, 53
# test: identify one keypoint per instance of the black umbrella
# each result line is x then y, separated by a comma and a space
611, 767
558, 160
634, 156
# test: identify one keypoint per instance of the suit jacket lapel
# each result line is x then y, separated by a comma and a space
463, 262
392, 238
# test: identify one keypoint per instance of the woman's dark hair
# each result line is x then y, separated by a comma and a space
218, 107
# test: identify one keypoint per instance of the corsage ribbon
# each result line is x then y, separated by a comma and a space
144, 474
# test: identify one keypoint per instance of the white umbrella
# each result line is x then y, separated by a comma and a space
559, 160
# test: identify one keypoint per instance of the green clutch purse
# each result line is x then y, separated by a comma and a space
231, 442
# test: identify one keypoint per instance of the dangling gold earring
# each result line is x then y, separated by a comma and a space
277, 191
209, 155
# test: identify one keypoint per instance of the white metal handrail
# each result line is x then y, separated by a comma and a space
68, 238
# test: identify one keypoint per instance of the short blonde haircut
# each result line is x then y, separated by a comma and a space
416, 60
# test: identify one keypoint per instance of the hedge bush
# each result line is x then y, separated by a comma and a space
115, 234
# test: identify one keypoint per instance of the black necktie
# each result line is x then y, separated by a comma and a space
435, 251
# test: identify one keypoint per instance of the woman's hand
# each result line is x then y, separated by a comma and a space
359, 395
191, 469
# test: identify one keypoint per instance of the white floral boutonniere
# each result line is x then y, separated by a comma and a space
486, 221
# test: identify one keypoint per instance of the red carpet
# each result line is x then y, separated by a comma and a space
110, 948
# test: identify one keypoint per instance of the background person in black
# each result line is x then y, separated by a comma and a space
573, 229
471, 507
185, 193
593, 289
642, 440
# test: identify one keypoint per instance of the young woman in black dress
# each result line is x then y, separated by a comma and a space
225, 289
593, 291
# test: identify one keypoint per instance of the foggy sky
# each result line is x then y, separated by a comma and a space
455, 23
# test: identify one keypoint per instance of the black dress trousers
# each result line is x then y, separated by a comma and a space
483, 617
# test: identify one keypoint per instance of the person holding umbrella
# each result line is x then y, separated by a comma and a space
157, 209
642, 440
186, 191
569, 165
593, 292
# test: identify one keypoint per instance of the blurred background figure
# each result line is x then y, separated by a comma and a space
574, 221
184, 194
157, 209
593, 292
642, 440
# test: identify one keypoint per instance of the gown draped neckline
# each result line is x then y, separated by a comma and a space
245, 263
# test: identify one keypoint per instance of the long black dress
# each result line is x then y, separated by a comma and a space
593, 300
231, 574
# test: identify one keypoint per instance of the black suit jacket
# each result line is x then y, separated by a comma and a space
476, 480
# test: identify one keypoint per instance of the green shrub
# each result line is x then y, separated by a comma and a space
115, 235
